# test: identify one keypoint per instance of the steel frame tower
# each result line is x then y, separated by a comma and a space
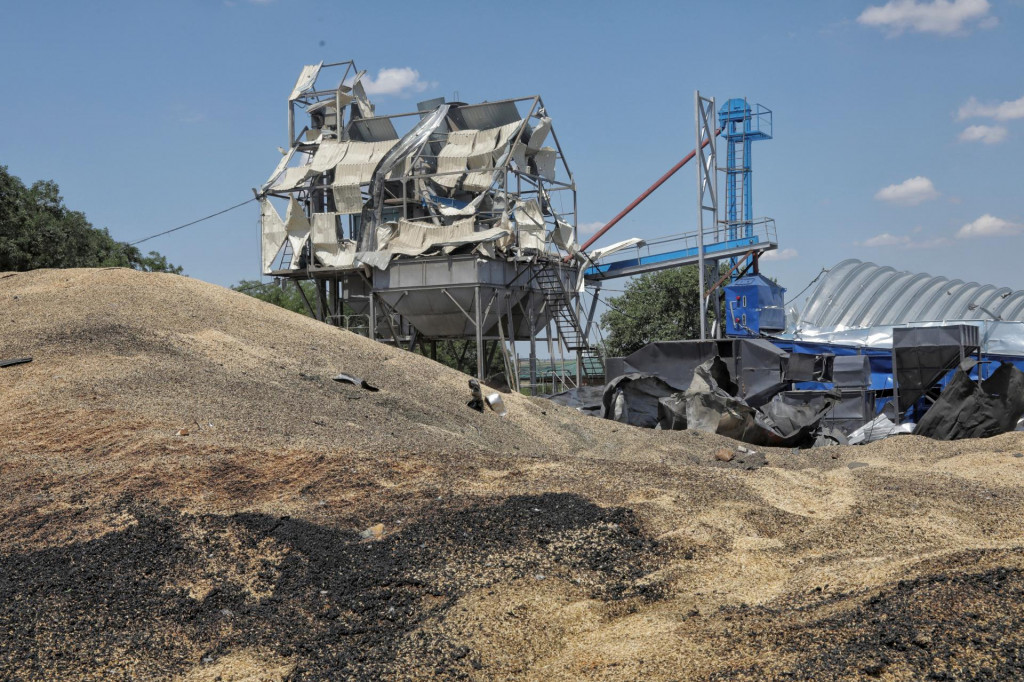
741, 125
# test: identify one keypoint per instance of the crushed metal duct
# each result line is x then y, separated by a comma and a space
967, 409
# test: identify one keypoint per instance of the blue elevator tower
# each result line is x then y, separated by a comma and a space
741, 124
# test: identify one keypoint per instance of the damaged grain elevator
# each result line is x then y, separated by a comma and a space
455, 221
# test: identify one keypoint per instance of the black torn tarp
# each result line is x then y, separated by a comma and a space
633, 399
14, 361
966, 410
586, 399
782, 422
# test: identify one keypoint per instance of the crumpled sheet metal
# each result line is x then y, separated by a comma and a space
780, 423
633, 399
878, 428
273, 233
967, 410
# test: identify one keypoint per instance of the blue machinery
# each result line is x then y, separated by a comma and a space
741, 125
738, 238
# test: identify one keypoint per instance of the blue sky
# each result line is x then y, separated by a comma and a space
899, 127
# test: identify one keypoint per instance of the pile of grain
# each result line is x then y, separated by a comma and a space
542, 545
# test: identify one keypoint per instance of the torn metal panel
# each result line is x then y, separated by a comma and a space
851, 371
296, 226
414, 238
279, 169
878, 428
292, 178
373, 130
486, 115
672, 413
598, 254
348, 198
273, 235
809, 367
306, 80
757, 365
539, 134
967, 410
922, 356
545, 160
329, 154
782, 422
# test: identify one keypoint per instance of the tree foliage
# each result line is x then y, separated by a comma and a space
287, 297
659, 306
38, 231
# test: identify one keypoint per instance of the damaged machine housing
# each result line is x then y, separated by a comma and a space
452, 222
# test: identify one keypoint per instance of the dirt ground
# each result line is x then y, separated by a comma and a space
303, 529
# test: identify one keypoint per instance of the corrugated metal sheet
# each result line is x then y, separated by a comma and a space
857, 294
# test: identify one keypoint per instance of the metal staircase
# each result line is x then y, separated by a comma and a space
559, 302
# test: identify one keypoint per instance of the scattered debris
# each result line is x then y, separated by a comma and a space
14, 361
182, 432
477, 401
495, 402
856, 465
374, 532
878, 428
724, 454
349, 379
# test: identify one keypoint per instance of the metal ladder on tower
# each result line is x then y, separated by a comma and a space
559, 302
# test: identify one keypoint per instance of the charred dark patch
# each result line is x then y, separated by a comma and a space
173, 591
965, 626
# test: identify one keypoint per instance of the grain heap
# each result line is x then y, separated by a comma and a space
309, 529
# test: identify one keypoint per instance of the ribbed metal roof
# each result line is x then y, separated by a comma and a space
856, 294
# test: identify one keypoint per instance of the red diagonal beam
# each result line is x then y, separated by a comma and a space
636, 202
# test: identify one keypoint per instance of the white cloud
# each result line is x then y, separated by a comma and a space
400, 81
909, 192
984, 134
903, 241
1003, 111
885, 239
989, 226
779, 254
586, 229
939, 16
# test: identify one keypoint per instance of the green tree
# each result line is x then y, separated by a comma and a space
287, 297
659, 306
38, 231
